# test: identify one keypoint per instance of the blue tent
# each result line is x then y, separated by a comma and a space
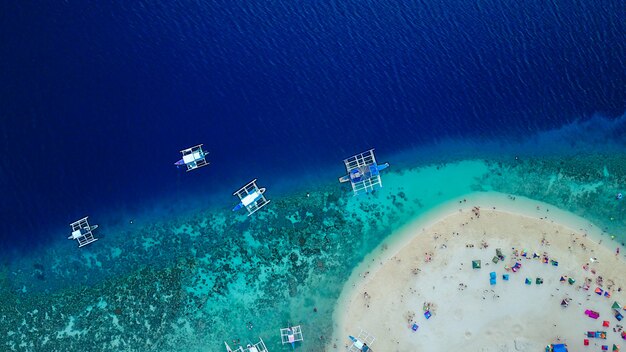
559, 348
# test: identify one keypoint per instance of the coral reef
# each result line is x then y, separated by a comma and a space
191, 281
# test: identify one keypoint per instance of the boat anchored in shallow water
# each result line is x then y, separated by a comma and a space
363, 172
257, 347
82, 232
360, 343
251, 197
193, 158
291, 335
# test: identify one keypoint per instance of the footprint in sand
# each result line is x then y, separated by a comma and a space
468, 335
517, 329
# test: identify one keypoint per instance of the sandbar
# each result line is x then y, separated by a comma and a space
429, 267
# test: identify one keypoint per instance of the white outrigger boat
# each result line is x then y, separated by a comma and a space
257, 347
362, 342
291, 335
82, 232
363, 172
193, 158
251, 197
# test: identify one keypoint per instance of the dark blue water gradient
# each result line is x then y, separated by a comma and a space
97, 98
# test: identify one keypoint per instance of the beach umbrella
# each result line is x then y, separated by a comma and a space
475, 264
615, 348
616, 305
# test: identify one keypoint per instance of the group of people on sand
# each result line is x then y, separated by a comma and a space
476, 211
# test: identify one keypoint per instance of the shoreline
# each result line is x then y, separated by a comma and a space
363, 277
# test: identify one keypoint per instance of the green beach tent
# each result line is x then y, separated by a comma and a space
495, 260
475, 264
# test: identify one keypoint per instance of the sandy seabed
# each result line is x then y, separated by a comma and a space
432, 270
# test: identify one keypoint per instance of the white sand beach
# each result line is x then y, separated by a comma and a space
430, 264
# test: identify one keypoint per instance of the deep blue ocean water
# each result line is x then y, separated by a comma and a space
96, 99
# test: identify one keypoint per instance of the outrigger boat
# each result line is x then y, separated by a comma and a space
257, 347
251, 197
82, 232
363, 172
193, 158
361, 342
291, 335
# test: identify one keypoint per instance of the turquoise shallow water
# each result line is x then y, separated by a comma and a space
193, 279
